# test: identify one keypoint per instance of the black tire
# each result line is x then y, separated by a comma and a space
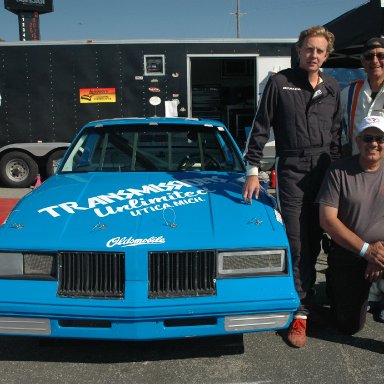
18, 170
50, 169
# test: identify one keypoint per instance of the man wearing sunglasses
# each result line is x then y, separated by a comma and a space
364, 97
352, 213
360, 99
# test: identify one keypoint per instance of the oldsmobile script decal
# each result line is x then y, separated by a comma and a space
132, 242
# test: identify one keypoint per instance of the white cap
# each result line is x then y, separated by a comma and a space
371, 122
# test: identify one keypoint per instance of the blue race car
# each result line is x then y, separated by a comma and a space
143, 234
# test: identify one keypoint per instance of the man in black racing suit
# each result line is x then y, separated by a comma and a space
302, 106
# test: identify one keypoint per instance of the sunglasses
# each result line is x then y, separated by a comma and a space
379, 139
370, 56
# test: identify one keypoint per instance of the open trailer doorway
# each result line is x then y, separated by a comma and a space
228, 88
223, 88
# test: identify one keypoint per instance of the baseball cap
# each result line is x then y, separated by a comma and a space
371, 122
374, 42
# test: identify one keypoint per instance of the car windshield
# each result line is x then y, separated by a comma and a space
152, 148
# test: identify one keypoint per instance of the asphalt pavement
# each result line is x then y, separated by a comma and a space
14, 193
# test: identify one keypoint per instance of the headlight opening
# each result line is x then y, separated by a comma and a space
253, 262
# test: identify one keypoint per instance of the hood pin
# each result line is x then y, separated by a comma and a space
17, 226
170, 223
99, 226
255, 221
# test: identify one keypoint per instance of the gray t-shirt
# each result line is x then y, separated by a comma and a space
358, 195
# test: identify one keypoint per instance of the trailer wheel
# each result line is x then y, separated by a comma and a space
17, 169
51, 164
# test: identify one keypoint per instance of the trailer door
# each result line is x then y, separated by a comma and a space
267, 66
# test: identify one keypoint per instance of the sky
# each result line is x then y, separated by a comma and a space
177, 19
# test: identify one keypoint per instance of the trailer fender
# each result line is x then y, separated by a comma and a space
35, 149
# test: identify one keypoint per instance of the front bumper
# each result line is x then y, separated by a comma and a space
145, 329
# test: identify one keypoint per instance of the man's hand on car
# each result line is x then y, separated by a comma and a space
251, 188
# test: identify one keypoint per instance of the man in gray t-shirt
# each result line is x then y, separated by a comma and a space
351, 202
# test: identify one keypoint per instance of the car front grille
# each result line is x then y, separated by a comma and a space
91, 274
181, 274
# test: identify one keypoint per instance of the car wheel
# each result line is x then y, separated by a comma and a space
17, 169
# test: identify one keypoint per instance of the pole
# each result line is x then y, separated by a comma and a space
238, 14
238, 18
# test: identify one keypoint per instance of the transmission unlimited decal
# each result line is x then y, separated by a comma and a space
140, 201
97, 95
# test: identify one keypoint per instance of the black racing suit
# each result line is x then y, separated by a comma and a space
306, 124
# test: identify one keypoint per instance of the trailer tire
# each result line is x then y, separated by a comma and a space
18, 170
50, 169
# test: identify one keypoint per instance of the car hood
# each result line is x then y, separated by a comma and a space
94, 211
